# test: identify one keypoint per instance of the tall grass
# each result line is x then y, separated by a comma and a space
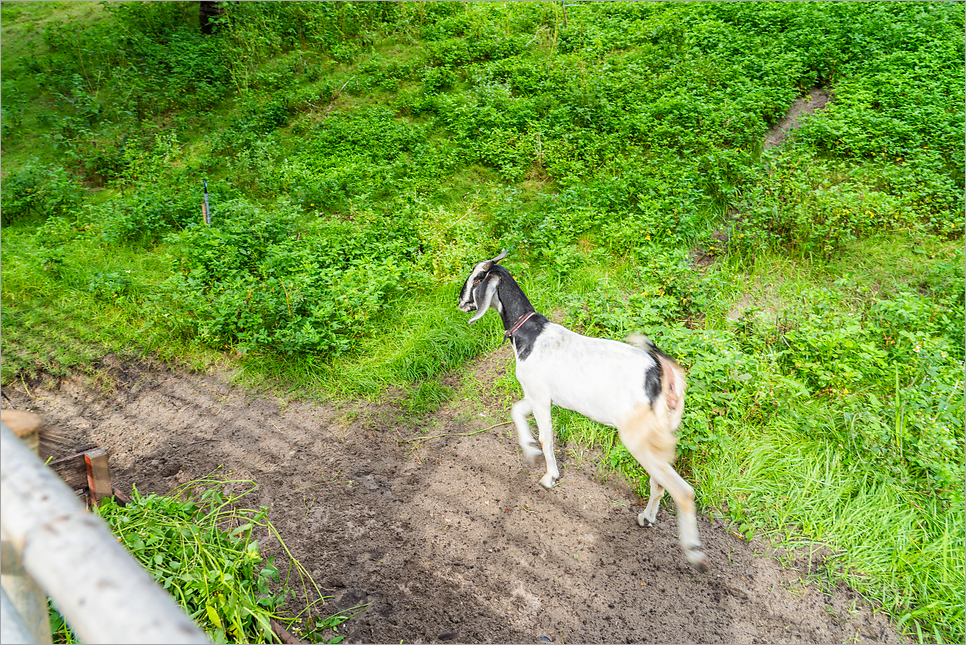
893, 543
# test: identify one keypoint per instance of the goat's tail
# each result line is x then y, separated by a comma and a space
641, 341
671, 384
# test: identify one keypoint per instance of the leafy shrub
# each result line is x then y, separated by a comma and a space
13, 109
100, 160
259, 119
831, 351
147, 215
109, 286
58, 230
145, 50
892, 369
249, 33
450, 242
274, 281
813, 206
36, 189
352, 161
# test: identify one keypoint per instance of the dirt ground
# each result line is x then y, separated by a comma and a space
449, 538
816, 99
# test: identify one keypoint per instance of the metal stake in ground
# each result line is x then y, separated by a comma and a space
205, 211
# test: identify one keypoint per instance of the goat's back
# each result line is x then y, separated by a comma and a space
601, 379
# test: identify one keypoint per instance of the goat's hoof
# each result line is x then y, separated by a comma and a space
547, 481
698, 560
531, 453
644, 520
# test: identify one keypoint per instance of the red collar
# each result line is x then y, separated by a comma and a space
522, 319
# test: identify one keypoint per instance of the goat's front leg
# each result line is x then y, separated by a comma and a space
519, 413
541, 413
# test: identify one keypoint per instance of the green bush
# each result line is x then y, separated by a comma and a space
279, 282
41, 190
814, 206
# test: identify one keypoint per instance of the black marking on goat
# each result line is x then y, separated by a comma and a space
515, 305
652, 381
656, 353
526, 336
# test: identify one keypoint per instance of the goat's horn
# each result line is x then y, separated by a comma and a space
499, 257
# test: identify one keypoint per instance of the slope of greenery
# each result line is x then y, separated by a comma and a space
361, 157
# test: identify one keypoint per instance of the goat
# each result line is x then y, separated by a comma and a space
638, 390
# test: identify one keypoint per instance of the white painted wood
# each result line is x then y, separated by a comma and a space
13, 629
104, 594
26, 602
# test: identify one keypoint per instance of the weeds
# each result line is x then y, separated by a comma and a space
361, 156
199, 545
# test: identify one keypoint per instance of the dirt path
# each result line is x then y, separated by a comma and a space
448, 538
816, 99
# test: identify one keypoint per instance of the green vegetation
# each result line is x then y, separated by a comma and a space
199, 544
363, 156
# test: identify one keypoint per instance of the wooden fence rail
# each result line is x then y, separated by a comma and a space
52, 546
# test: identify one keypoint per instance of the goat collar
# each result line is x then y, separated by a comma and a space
522, 319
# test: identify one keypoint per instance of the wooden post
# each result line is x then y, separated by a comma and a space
98, 475
24, 593
26, 596
13, 628
205, 208
26, 425
89, 471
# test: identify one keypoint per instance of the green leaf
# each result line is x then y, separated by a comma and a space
213, 615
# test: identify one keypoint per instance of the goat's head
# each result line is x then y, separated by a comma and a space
478, 290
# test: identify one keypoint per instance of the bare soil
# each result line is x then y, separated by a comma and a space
449, 538
816, 99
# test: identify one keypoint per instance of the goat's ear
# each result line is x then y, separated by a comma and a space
486, 288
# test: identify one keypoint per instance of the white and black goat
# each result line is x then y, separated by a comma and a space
638, 390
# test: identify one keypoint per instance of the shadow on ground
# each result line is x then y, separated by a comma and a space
449, 538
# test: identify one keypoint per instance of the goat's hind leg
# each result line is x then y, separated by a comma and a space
663, 476
683, 496
649, 516
519, 413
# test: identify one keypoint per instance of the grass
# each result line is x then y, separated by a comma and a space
362, 157
890, 543
42, 299
198, 542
